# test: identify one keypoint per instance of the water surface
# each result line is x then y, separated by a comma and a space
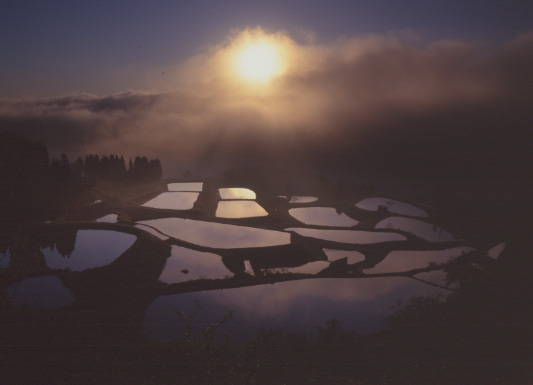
322, 216
495, 252
352, 256
405, 260
240, 209
308, 268
348, 236
421, 229
394, 206
93, 248
301, 199
438, 277
46, 292
248, 269
186, 264
110, 218
236, 193
173, 201
185, 186
218, 235
361, 305
152, 231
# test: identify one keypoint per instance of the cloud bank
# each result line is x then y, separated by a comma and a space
387, 103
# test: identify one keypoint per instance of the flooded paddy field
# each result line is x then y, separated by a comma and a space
150, 273
329, 261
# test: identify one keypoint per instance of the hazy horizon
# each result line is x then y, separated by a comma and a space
410, 85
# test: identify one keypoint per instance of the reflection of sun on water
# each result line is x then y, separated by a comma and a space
258, 61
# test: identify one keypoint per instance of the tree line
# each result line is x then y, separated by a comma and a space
31, 181
113, 167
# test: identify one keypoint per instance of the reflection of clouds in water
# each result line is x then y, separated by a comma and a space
496, 251
110, 218
322, 216
173, 201
185, 186
405, 260
308, 268
353, 256
302, 199
151, 231
392, 205
360, 305
421, 229
236, 193
437, 276
197, 264
348, 236
218, 235
248, 269
239, 209
276, 300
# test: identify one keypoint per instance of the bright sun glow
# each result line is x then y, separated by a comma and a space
259, 61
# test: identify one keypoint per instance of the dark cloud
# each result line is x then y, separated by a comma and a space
124, 103
373, 104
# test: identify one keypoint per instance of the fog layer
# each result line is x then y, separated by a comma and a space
393, 103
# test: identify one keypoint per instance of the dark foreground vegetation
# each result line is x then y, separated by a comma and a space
480, 334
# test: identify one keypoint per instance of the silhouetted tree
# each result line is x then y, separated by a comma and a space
61, 172
140, 167
78, 167
155, 169
24, 172
104, 170
31, 182
92, 165
121, 168
66, 242
144, 169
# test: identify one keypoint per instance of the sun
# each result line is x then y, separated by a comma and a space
259, 61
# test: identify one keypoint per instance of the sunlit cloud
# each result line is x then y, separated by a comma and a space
320, 100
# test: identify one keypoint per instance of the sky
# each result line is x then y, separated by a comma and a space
56, 47
159, 77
